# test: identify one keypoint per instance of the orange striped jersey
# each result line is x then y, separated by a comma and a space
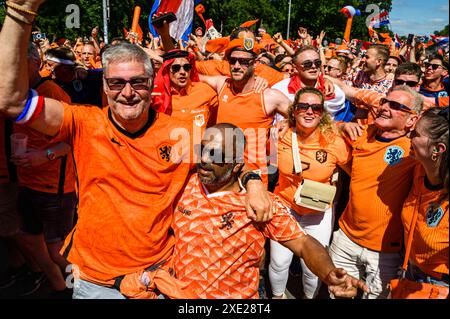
222, 67
429, 250
218, 248
370, 100
127, 186
319, 160
45, 177
194, 104
247, 111
381, 177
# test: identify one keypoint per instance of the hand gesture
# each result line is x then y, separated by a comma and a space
302, 33
164, 27
29, 4
278, 37
257, 202
342, 285
320, 38
353, 130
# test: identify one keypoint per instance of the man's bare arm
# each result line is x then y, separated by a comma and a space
216, 82
14, 87
275, 101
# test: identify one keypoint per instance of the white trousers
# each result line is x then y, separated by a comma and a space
376, 268
319, 226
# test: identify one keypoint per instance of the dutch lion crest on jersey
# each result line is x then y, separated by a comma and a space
164, 152
434, 215
321, 156
393, 155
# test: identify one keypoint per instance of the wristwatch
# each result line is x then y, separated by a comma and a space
248, 176
51, 155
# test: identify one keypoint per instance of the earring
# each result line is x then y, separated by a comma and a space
434, 156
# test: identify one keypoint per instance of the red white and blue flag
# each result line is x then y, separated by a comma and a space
380, 19
183, 9
440, 40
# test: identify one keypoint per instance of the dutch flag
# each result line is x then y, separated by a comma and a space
183, 9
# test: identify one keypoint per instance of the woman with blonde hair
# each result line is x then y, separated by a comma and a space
310, 151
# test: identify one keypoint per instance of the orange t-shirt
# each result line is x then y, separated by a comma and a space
381, 177
319, 160
429, 250
222, 67
218, 248
247, 111
194, 105
127, 186
45, 177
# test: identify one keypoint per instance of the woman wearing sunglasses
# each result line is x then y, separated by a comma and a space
426, 208
320, 149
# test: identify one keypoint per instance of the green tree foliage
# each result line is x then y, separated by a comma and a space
227, 14
443, 32
315, 15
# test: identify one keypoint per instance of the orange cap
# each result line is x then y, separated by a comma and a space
248, 44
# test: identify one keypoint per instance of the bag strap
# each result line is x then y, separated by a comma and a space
412, 227
296, 153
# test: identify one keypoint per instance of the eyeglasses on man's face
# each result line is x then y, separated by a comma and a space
396, 106
118, 84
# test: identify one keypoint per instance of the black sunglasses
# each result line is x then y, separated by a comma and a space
303, 107
396, 105
242, 61
117, 84
433, 65
177, 67
309, 64
329, 68
408, 83
215, 155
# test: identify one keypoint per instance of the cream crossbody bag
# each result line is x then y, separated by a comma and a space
310, 194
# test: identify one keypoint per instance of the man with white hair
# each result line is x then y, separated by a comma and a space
125, 156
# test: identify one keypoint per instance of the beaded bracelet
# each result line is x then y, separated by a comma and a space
20, 9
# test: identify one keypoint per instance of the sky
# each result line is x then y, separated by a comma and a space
420, 17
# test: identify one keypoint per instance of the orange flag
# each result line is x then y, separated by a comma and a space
248, 23
200, 9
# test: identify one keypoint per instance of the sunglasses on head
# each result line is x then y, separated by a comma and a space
396, 106
408, 83
433, 65
242, 61
116, 84
177, 67
309, 64
303, 107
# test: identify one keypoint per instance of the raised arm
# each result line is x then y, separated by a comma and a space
216, 82
14, 89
